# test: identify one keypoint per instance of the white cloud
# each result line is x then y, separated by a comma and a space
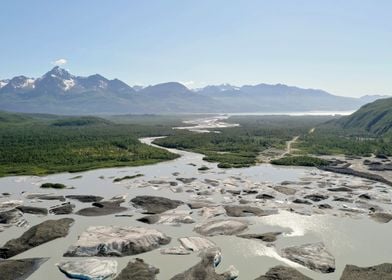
188, 84
60, 62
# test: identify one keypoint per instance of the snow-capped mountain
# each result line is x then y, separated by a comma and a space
60, 92
19, 84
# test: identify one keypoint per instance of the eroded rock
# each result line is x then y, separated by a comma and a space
266, 237
138, 269
116, 241
155, 204
90, 269
19, 269
35, 236
245, 210
281, 272
377, 272
85, 198
221, 227
314, 256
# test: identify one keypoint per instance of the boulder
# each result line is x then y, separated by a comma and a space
324, 206
12, 217
377, 272
205, 269
245, 211
88, 269
340, 189
221, 227
85, 198
314, 256
281, 272
33, 210
138, 270
200, 204
170, 217
10, 204
285, 190
266, 237
52, 197
35, 236
116, 241
316, 197
175, 251
186, 180
103, 208
155, 204
196, 243
62, 209
265, 196
19, 269
210, 212
301, 201
381, 217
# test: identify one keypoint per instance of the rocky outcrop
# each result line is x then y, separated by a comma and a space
62, 209
13, 217
377, 272
179, 250
155, 204
19, 269
381, 217
103, 208
116, 241
33, 210
316, 197
285, 190
283, 273
245, 211
170, 217
221, 227
205, 269
196, 243
266, 237
138, 269
213, 211
314, 256
85, 198
90, 269
35, 236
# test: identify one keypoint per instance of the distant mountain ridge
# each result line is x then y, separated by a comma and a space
375, 117
60, 92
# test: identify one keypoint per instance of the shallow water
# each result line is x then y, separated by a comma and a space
351, 240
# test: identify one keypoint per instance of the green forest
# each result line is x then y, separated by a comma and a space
42, 144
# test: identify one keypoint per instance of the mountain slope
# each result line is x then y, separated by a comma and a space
375, 117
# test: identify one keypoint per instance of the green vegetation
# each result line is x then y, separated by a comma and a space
80, 121
330, 139
36, 145
375, 117
127, 178
240, 146
53, 186
203, 168
300, 161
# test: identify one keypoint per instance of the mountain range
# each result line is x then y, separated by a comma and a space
60, 92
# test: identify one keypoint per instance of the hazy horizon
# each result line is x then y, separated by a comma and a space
341, 48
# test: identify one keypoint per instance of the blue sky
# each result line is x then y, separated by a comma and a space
344, 47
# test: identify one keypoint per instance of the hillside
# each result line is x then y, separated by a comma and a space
375, 117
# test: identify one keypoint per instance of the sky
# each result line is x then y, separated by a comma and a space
344, 47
